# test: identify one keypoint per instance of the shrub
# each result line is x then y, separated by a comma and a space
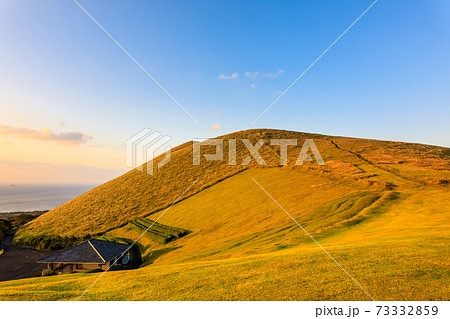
49, 242
10, 221
5, 227
48, 272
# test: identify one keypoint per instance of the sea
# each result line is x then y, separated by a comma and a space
25, 198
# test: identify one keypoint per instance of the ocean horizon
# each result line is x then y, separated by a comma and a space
35, 197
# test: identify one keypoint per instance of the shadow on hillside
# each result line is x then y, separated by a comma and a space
151, 257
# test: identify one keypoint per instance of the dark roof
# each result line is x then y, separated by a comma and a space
93, 251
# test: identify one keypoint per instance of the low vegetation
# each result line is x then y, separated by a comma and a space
5, 227
10, 221
13, 220
48, 272
157, 232
48, 242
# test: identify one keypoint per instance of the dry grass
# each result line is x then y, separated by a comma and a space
244, 247
136, 194
373, 208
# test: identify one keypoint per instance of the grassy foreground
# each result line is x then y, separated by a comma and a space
388, 272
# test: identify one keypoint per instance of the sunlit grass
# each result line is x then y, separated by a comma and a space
387, 272
250, 250
137, 194
381, 209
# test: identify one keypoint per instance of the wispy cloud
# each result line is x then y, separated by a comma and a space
252, 74
71, 138
215, 127
274, 75
264, 75
235, 75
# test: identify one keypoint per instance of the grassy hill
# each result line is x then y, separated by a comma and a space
136, 194
381, 209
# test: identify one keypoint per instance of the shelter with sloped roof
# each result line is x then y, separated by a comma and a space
93, 254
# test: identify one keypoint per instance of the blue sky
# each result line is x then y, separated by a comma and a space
387, 78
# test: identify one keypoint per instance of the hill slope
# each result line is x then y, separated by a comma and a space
242, 246
136, 194
381, 209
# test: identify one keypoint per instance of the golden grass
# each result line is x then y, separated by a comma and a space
136, 194
244, 247
380, 208
387, 272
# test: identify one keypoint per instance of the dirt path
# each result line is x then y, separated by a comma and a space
18, 262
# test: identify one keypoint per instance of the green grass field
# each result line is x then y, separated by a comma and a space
381, 209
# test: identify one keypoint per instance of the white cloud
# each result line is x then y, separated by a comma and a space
235, 75
45, 134
252, 74
215, 127
252, 85
267, 75
273, 75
